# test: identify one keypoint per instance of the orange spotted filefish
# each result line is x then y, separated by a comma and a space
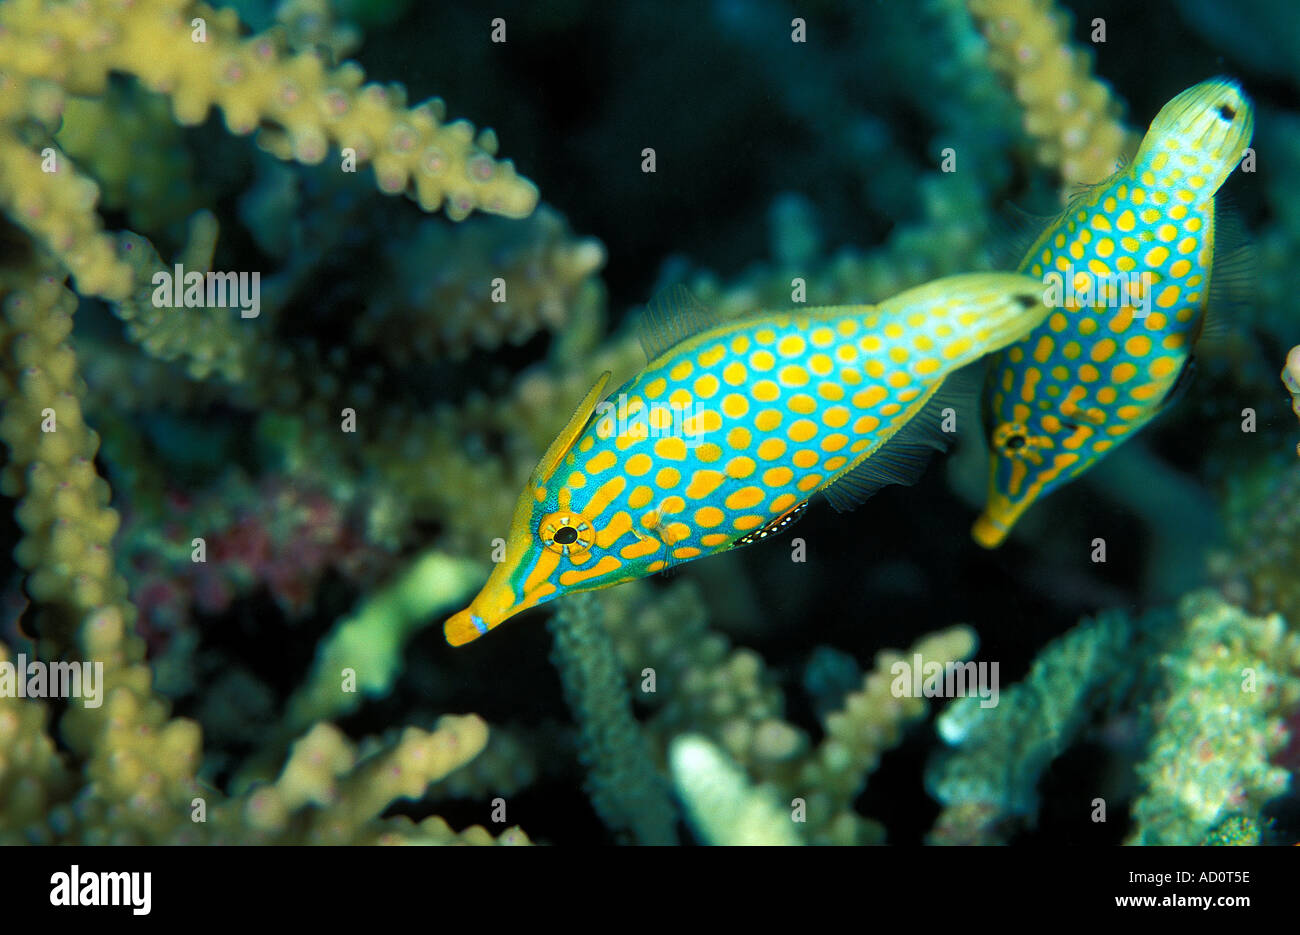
732, 426
1130, 261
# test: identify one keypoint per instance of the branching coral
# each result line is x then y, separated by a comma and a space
64, 513
724, 805
127, 141
33, 776
208, 339
1227, 687
302, 107
871, 722
369, 642
626, 788
702, 684
492, 282
1260, 570
1071, 115
1208, 689
139, 764
988, 783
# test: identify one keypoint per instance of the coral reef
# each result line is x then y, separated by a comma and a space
1208, 701
1259, 571
988, 783
626, 789
724, 806
1227, 688
255, 523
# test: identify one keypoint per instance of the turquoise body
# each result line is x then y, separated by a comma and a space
724, 436
1128, 267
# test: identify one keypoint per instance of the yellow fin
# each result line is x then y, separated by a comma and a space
569, 434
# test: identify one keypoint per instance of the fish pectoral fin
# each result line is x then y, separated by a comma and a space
660, 541
1072, 411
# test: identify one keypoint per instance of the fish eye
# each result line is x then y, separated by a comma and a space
1011, 438
566, 532
1028, 301
565, 535
1227, 111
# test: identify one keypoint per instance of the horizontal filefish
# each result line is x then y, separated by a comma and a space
732, 426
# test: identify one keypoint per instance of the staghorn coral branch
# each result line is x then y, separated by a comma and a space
1071, 115
57, 210
138, 764
195, 55
626, 789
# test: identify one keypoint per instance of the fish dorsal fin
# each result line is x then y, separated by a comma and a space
1078, 190
671, 317
1232, 276
1019, 230
903, 458
569, 434
1015, 231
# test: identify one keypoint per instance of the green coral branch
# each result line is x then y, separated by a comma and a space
626, 789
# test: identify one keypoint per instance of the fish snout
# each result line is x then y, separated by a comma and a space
492, 606
464, 627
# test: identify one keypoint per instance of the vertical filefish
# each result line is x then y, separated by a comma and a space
731, 428
1131, 260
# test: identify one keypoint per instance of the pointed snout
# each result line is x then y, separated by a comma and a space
493, 606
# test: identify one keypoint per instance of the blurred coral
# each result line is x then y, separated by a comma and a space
1291, 380
1072, 115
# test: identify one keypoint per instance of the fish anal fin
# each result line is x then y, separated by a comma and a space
569, 434
903, 458
670, 318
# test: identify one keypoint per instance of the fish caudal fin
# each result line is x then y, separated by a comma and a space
994, 524
972, 314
